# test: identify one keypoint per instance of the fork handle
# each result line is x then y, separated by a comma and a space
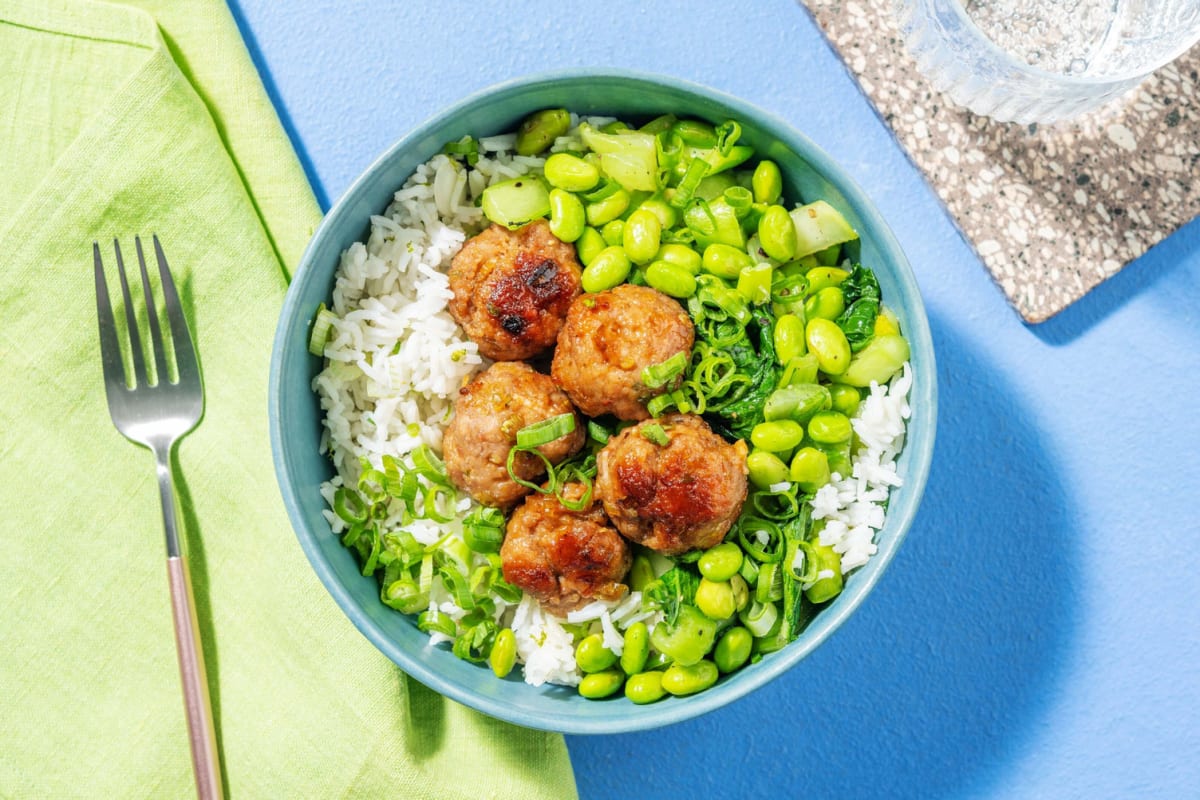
201, 733
206, 762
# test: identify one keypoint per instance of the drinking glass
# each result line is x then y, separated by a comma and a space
1044, 60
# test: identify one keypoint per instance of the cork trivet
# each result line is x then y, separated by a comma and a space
1051, 210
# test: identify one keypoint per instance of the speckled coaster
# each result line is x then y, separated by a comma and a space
1052, 210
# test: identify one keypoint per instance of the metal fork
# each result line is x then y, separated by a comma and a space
157, 414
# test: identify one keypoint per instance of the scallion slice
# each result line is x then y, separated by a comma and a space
655, 434
657, 375
546, 431
322, 325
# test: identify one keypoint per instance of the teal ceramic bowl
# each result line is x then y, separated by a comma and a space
295, 417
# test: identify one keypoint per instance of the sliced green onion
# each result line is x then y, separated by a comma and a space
348, 505
655, 434
465, 146
373, 557
322, 325
728, 133
605, 190
427, 464
482, 532
546, 431
657, 375
457, 585
740, 199
475, 643
695, 172
699, 217
434, 498
430, 621
764, 552
551, 478
760, 618
597, 432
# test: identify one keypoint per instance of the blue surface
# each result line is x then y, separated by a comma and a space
1038, 635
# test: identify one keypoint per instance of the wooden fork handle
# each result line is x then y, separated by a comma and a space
201, 731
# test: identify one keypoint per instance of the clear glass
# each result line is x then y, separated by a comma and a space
1044, 60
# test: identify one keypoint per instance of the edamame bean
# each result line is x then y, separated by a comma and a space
681, 256
641, 574
830, 427
765, 469
797, 402
641, 236
571, 173
789, 338
636, 648
608, 209
827, 342
725, 261
539, 130
588, 245
567, 219
715, 599
810, 469
822, 277
722, 562
666, 213
777, 436
733, 649
599, 685
645, 687
767, 183
609, 268
681, 680
504, 653
592, 656
613, 232
828, 303
670, 279
878, 361
829, 563
777, 233
845, 398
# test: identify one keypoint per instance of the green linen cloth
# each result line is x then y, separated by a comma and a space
140, 118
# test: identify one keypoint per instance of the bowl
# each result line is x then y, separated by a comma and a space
295, 415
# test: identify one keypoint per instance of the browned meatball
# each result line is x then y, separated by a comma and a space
512, 289
674, 497
564, 558
488, 412
609, 338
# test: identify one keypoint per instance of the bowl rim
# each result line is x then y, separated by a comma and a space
918, 452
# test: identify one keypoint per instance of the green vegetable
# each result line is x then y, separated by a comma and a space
725, 261
601, 684
567, 219
830, 427
810, 469
607, 269
516, 202
589, 244
765, 469
629, 157
641, 236
827, 342
857, 321
670, 279
797, 402
504, 653
753, 356
715, 599
878, 361
828, 303
721, 562
570, 173
636, 648
681, 256
592, 656
321, 326
539, 130
645, 687
732, 649
754, 283
818, 226
684, 679
675, 589
767, 182
777, 233
608, 209
688, 639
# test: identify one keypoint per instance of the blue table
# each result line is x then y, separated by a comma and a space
1039, 633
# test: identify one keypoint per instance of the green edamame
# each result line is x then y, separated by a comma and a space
725, 261
733, 649
636, 648
766, 183
681, 680
878, 361
599, 685
571, 173
777, 233
789, 338
608, 209
810, 469
641, 236
777, 436
567, 219
828, 303
828, 343
613, 232
592, 656
822, 277
641, 574
845, 398
720, 563
504, 653
765, 469
539, 130
645, 687
670, 279
666, 213
830, 427
681, 256
689, 639
609, 268
715, 599
829, 569
588, 245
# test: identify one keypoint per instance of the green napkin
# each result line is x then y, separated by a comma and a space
149, 118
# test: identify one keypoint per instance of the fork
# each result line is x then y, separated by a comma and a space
154, 411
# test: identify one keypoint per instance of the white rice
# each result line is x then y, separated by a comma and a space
395, 359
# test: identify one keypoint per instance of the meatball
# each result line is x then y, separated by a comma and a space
512, 289
564, 558
609, 338
673, 497
488, 412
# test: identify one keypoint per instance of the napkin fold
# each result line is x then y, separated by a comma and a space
139, 118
